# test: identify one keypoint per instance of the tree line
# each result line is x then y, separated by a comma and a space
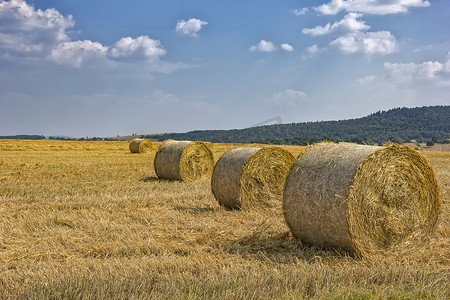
421, 124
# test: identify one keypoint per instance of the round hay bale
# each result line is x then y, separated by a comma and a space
369, 200
183, 160
140, 145
251, 178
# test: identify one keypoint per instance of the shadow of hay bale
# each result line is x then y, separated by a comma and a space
154, 179
281, 247
196, 210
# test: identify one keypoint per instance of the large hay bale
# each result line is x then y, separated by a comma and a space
183, 160
365, 199
140, 145
251, 177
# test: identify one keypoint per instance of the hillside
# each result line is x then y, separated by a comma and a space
421, 124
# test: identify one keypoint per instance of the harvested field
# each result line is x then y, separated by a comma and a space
90, 220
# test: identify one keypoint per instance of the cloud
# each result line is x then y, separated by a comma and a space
26, 31
300, 12
312, 49
45, 34
447, 63
289, 97
349, 23
355, 37
287, 47
77, 53
405, 72
263, 46
365, 79
140, 48
190, 27
375, 7
380, 42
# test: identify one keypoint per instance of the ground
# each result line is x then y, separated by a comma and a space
90, 220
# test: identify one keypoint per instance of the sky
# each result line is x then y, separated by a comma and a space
84, 68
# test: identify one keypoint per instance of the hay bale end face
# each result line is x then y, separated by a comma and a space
365, 199
140, 146
183, 160
251, 178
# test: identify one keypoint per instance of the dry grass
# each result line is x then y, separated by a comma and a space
90, 220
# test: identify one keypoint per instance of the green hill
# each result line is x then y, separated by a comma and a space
421, 124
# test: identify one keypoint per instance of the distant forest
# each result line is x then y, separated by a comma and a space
422, 124
23, 137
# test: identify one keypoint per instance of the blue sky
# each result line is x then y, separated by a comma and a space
106, 68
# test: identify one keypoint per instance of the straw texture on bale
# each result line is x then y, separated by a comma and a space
183, 160
251, 177
140, 145
369, 200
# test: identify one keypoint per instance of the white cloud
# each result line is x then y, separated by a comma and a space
365, 79
447, 63
318, 30
289, 97
355, 37
380, 42
140, 48
45, 34
190, 27
26, 31
77, 53
411, 71
312, 49
300, 12
263, 46
377, 7
349, 23
347, 44
287, 47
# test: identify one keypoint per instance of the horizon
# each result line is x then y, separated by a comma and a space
47, 136
108, 68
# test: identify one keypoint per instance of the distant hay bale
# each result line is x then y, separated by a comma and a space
365, 199
140, 145
251, 178
183, 160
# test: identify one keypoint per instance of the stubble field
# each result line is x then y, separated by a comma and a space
90, 220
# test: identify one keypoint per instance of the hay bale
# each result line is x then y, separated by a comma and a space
368, 200
183, 160
251, 178
140, 145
